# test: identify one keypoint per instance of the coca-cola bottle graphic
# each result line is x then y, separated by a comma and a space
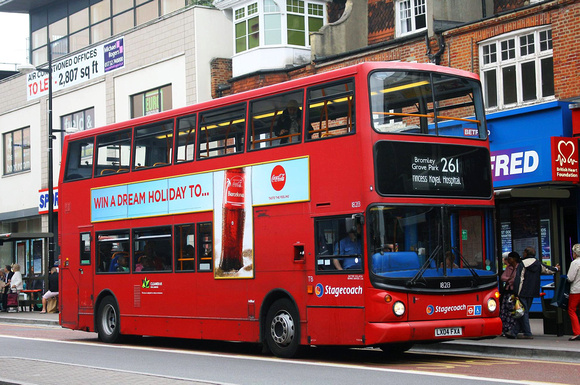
233, 220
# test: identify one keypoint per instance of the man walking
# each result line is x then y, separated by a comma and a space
526, 287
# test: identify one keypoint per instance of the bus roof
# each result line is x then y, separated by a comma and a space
323, 76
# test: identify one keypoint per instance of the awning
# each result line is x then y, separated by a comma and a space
533, 192
12, 237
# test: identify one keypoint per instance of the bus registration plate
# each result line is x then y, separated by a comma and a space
444, 332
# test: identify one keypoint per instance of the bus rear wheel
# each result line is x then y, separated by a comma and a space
283, 329
108, 321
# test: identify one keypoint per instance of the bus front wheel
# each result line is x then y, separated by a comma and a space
108, 321
283, 328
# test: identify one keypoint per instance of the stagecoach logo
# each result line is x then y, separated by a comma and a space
278, 178
319, 290
472, 310
334, 291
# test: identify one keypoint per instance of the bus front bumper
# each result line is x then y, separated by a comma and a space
432, 331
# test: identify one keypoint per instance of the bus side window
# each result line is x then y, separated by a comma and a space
153, 145
184, 247
185, 139
152, 249
221, 131
79, 162
276, 120
85, 249
110, 247
331, 110
205, 246
338, 244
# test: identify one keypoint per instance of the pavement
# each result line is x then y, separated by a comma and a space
542, 347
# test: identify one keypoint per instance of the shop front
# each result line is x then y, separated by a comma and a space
535, 172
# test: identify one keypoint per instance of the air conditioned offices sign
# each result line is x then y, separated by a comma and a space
83, 66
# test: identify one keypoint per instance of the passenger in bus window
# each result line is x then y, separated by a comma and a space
449, 261
289, 123
351, 246
105, 255
122, 264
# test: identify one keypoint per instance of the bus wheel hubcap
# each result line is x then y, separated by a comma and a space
110, 320
282, 329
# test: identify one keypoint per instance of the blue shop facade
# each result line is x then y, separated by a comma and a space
535, 172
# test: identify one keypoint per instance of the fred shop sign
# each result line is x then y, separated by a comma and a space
537, 161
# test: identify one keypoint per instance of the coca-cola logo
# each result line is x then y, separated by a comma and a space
278, 178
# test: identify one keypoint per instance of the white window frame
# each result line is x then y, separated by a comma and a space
505, 57
282, 12
413, 5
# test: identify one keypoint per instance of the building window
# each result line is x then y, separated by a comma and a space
411, 16
81, 120
518, 68
261, 23
272, 23
92, 24
247, 27
16, 151
302, 19
151, 102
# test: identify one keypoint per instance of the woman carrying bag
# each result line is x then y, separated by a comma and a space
507, 303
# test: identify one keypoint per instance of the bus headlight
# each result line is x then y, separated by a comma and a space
491, 305
399, 308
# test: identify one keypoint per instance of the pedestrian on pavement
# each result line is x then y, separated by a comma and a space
8, 273
574, 298
526, 287
507, 304
2, 287
16, 282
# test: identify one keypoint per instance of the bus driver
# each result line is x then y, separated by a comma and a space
351, 246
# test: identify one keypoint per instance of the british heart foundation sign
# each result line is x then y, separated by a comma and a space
565, 159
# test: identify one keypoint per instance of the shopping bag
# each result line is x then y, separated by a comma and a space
12, 299
518, 310
52, 305
562, 293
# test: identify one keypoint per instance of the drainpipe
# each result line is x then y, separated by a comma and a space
435, 58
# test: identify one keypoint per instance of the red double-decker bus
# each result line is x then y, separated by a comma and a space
353, 207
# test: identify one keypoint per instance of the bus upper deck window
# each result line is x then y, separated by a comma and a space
276, 120
411, 102
221, 131
331, 110
113, 153
79, 163
153, 145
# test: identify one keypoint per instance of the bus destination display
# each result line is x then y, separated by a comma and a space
434, 173
432, 169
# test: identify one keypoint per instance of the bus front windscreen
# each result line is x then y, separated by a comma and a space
421, 246
414, 102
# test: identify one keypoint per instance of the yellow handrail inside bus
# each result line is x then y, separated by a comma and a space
426, 116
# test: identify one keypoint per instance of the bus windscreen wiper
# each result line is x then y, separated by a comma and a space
414, 281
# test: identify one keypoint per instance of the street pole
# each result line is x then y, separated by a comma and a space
50, 166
